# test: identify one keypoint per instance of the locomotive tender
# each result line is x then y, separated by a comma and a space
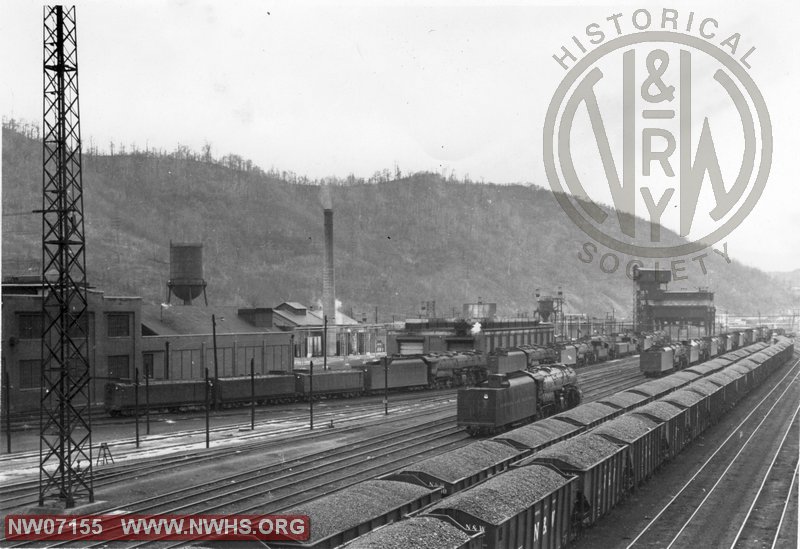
506, 400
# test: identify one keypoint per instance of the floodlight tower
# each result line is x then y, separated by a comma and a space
65, 442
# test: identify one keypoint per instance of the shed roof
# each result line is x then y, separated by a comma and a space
195, 320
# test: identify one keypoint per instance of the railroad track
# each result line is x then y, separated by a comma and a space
302, 479
217, 496
25, 492
734, 477
767, 511
603, 382
281, 425
599, 382
29, 421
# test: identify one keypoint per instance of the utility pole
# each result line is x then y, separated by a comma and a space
65, 431
216, 369
324, 346
311, 396
386, 385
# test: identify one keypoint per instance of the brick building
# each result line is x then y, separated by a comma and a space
115, 340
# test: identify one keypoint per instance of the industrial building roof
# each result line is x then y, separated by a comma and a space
194, 319
300, 315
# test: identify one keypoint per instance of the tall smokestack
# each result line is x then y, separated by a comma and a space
328, 283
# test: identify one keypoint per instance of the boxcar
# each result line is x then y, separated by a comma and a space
524, 507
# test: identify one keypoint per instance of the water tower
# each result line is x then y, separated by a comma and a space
186, 272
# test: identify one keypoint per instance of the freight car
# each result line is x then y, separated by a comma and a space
570, 481
167, 395
664, 359
506, 400
405, 373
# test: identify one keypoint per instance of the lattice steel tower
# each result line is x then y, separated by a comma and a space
65, 443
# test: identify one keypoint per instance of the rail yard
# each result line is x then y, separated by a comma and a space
694, 428
231, 397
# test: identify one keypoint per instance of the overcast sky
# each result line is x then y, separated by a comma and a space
332, 90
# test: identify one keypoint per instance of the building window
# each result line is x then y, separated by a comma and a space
30, 325
119, 325
119, 367
30, 374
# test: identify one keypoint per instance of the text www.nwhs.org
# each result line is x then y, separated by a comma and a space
157, 527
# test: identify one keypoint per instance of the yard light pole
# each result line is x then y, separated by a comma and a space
216, 369
311, 396
208, 419
325, 342
252, 394
386, 385
136, 402
147, 397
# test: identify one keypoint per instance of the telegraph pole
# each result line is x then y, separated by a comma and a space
214, 339
65, 432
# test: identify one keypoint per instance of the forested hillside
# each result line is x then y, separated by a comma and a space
398, 240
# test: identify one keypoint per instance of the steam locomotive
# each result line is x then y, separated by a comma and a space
507, 400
